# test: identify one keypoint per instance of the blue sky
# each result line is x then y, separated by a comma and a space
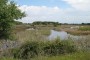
49, 3
64, 11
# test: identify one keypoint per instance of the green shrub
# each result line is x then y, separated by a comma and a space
59, 47
48, 48
68, 46
27, 50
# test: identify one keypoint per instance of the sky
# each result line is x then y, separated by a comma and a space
63, 11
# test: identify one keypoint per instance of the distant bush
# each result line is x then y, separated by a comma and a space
49, 48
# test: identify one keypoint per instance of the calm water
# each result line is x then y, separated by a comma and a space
63, 35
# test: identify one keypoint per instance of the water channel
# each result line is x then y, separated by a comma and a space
63, 35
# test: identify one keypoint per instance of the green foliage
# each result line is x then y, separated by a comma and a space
59, 47
46, 23
8, 13
49, 48
27, 50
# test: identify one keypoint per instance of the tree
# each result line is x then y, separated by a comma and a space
9, 12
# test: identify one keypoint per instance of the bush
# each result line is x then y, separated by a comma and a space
49, 48
27, 50
68, 46
59, 47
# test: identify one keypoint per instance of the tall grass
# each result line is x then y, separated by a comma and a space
83, 43
30, 36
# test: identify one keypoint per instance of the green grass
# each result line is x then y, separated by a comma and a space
75, 56
8, 58
45, 32
87, 28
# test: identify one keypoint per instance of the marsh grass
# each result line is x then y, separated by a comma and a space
37, 34
29, 35
86, 28
76, 29
35, 46
77, 32
82, 30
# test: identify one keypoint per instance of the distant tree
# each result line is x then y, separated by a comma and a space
55, 24
18, 23
82, 23
9, 12
46, 23
88, 23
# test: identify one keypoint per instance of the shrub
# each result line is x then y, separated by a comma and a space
59, 47
68, 46
27, 50
48, 48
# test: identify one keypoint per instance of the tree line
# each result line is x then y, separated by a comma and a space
46, 23
85, 23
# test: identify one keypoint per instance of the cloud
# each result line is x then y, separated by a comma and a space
36, 10
83, 5
41, 13
44, 13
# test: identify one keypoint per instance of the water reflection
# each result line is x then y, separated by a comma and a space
63, 35
54, 34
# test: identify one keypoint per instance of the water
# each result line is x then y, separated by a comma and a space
30, 29
63, 35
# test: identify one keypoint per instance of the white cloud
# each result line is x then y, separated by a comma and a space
83, 5
36, 10
44, 13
